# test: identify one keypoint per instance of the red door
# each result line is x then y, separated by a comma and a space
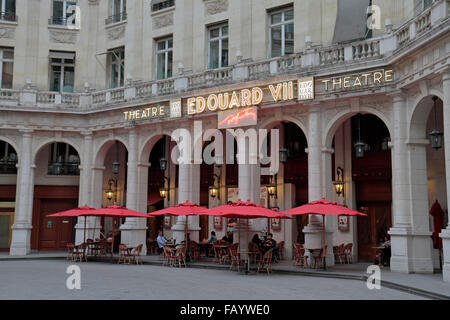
55, 233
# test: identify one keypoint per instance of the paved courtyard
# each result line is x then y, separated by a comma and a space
46, 279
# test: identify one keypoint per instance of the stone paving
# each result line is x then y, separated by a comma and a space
46, 279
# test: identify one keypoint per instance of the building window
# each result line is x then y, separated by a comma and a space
8, 11
6, 68
62, 10
218, 46
421, 5
118, 11
162, 4
63, 160
62, 71
164, 58
8, 158
116, 67
281, 31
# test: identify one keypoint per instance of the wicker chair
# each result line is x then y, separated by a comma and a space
168, 256
318, 259
253, 247
235, 258
136, 254
124, 254
339, 253
265, 262
299, 256
194, 251
80, 252
71, 252
280, 252
180, 256
348, 248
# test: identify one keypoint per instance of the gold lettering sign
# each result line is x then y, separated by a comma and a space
145, 113
375, 78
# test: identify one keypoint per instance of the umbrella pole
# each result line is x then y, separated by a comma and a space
112, 242
84, 237
246, 241
324, 244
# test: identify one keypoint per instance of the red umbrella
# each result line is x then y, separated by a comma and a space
323, 207
77, 212
247, 210
182, 209
117, 212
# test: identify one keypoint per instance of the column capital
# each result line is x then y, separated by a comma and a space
398, 95
87, 134
26, 131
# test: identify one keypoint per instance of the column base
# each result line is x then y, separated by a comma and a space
314, 240
134, 233
445, 235
20, 240
410, 251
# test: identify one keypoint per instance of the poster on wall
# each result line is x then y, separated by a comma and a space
218, 223
167, 222
233, 195
343, 223
275, 224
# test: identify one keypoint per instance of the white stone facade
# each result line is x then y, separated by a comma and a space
91, 119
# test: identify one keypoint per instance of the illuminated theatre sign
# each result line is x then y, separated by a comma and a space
361, 80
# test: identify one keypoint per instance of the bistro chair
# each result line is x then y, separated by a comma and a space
80, 252
265, 262
71, 252
318, 259
348, 252
124, 254
339, 253
235, 258
180, 256
299, 256
254, 249
279, 253
194, 251
168, 256
136, 254
152, 246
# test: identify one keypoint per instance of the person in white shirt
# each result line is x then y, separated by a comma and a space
161, 242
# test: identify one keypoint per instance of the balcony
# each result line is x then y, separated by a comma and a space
60, 21
8, 16
116, 18
64, 169
323, 60
8, 166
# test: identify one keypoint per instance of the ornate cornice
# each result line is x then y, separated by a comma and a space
216, 6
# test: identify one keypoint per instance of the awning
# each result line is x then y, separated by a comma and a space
351, 22
61, 55
152, 199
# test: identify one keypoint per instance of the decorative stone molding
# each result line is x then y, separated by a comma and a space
216, 6
93, 2
7, 32
63, 36
116, 33
163, 21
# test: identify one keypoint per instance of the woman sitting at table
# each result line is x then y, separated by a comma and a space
256, 240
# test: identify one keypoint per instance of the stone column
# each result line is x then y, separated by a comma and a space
134, 230
21, 229
410, 236
445, 234
314, 231
92, 224
188, 190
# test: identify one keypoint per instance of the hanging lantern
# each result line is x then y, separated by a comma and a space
360, 146
436, 134
163, 163
163, 193
213, 191
283, 155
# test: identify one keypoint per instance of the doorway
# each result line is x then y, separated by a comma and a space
6, 222
55, 233
373, 228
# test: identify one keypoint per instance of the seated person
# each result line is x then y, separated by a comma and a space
161, 242
213, 237
228, 237
271, 244
256, 240
386, 252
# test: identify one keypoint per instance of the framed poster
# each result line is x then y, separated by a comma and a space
167, 222
218, 223
275, 224
343, 223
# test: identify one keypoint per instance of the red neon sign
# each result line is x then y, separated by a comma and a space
238, 118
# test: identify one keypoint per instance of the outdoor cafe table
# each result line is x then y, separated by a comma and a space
223, 251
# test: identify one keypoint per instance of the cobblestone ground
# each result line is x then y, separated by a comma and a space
46, 279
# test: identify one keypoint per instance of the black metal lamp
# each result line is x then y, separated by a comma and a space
436, 134
339, 183
360, 146
283, 155
214, 189
116, 164
112, 190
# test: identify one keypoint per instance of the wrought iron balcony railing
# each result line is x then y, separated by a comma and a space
63, 169
8, 16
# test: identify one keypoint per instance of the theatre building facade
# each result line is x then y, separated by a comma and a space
98, 98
